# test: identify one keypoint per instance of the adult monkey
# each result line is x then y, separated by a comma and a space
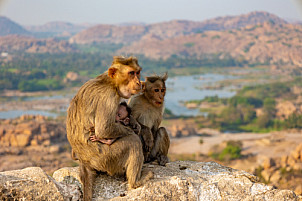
147, 109
95, 105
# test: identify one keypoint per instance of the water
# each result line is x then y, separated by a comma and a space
184, 88
179, 89
17, 113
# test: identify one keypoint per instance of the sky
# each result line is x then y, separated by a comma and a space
39, 12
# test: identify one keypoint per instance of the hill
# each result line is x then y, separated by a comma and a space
253, 38
261, 43
16, 43
128, 34
8, 27
58, 27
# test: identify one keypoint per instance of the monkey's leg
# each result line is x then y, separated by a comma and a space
161, 146
134, 163
87, 176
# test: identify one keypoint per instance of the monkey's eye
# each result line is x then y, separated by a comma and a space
156, 90
132, 73
163, 90
138, 72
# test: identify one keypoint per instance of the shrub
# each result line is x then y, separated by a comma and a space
230, 152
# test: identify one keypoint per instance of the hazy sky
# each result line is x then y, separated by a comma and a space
38, 12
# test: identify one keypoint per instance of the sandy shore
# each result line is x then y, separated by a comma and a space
268, 144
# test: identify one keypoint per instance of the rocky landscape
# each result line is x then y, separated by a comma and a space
39, 144
275, 158
17, 43
177, 181
256, 37
33, 141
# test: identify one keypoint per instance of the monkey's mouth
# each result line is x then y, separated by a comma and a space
158, 103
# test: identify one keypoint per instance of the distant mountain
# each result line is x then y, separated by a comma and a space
109, 34
236, 22
256, 37
17, 43
59, 27
262, 43
129, 34
8, 27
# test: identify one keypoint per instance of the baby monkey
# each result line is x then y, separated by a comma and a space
123, 117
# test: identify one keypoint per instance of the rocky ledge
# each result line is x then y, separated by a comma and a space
182, 180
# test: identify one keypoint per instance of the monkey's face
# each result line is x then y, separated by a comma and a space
127, 80
131, 85
121, 113
155, 92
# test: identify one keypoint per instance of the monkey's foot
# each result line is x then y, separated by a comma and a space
146, 176
162, 160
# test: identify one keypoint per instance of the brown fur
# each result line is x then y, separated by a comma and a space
147, 109
96, 104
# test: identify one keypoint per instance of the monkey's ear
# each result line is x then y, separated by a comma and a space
165, 76
112, 72
143, 84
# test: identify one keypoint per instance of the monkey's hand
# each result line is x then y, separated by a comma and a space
94, 138
107, 141
136, 128
126, 121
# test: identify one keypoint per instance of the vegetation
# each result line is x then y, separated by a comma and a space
239, 113
230, 152
35, 72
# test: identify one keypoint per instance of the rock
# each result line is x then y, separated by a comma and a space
268, 163
266, 174
298, 189
72, 76
31, 130
291, 161
184, 180
297, 166
299, 147
23, 140
54, 149
181, 131
276, 176
284, 161
34, 184
296, 154
285, 109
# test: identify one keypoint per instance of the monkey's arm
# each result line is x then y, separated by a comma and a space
135, 125
147, 137
105, 125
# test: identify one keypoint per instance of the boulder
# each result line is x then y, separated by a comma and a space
34, 184
72, 76
184, 180
275, 178
268, 163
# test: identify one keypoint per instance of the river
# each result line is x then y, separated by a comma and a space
179, 89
